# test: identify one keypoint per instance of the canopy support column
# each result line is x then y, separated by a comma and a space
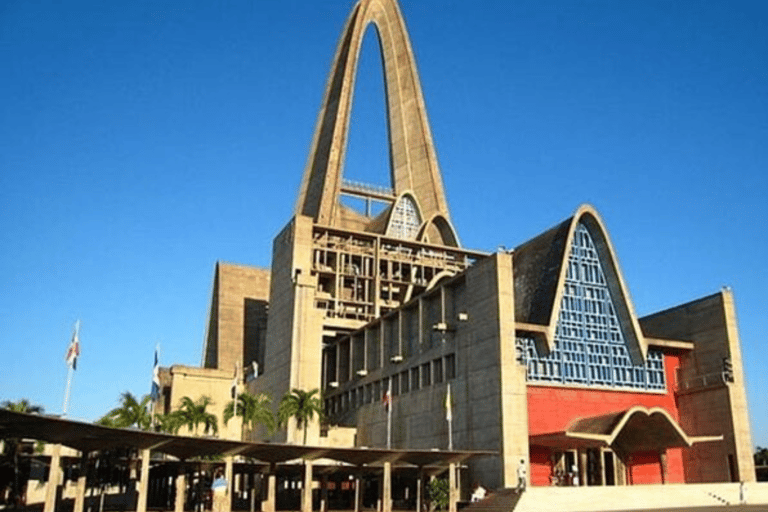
81, 481
453, 493
229, 477
306, 490
181, 488
358, 490
54, 475
269, 505
386, 492
141, 504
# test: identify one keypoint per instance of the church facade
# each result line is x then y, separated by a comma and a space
535, 353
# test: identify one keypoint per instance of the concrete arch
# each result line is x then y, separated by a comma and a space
391, 215
440, 225
636, 342
413, 158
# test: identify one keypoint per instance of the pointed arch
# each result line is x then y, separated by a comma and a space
413, 158
624, 309
405, 218
438, 230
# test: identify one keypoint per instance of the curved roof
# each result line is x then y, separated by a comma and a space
540, 268
636, 429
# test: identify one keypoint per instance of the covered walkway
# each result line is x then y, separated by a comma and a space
265, 459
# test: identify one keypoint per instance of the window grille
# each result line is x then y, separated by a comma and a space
590, 348
405, 220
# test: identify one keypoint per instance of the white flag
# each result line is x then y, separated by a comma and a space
155, 393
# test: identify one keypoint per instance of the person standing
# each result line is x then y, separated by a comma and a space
521, 476
219, 489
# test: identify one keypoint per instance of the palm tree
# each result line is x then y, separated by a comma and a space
169, 423
13, 447
192, 414
254, 409
23, 405
761, 456
131, 413
302, 406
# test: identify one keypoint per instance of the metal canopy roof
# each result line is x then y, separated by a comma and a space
88, 437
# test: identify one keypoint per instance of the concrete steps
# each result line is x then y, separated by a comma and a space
604, 499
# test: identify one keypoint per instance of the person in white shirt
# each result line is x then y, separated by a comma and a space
521, 473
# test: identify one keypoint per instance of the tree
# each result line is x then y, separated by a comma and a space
438, 493
168, 423
254, 409
193, 414
23, 405
761, 456
131, 413
300, 405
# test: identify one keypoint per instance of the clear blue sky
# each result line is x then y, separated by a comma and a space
140, 142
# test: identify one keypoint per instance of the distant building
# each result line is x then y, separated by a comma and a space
371, 294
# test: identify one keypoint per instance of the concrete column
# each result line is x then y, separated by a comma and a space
181, 489
386, 491
54, 475
452, 488
270, 504
80, 493
583, 468
324, 493
141, 503
358, 491
306, 491
229, 476
419, 488
663, 464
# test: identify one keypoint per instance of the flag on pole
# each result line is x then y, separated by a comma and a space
387, 400
155, 393
74, 348
448, 408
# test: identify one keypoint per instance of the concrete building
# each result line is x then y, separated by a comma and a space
535, 353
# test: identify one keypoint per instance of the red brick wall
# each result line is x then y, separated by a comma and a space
551, 409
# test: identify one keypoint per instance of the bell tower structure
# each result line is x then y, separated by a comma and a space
336, 269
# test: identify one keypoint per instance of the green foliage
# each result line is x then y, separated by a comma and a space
168, 423
761, 456
254, 409
23, 405
192, 414
438, 493
130, 413
302, 406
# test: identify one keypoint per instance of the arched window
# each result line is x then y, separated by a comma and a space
406, 221
590, 347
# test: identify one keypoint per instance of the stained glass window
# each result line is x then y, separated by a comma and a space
405, 220
590, 348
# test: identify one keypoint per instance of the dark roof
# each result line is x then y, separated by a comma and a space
537, 265
88, 437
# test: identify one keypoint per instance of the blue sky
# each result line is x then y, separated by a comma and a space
140, 142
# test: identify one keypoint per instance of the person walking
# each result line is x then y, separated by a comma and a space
220, 490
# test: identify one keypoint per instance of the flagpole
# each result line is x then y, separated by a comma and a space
389, 415
155, 396
66, 391
449, 417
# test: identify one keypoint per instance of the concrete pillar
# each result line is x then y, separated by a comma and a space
54, 475
80, 492
583, 468
386, 491
230, 477
324, 493
419, 488
452, 488
663, 464
181, 489
141, 503
306, 490
358, 491
270, 504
